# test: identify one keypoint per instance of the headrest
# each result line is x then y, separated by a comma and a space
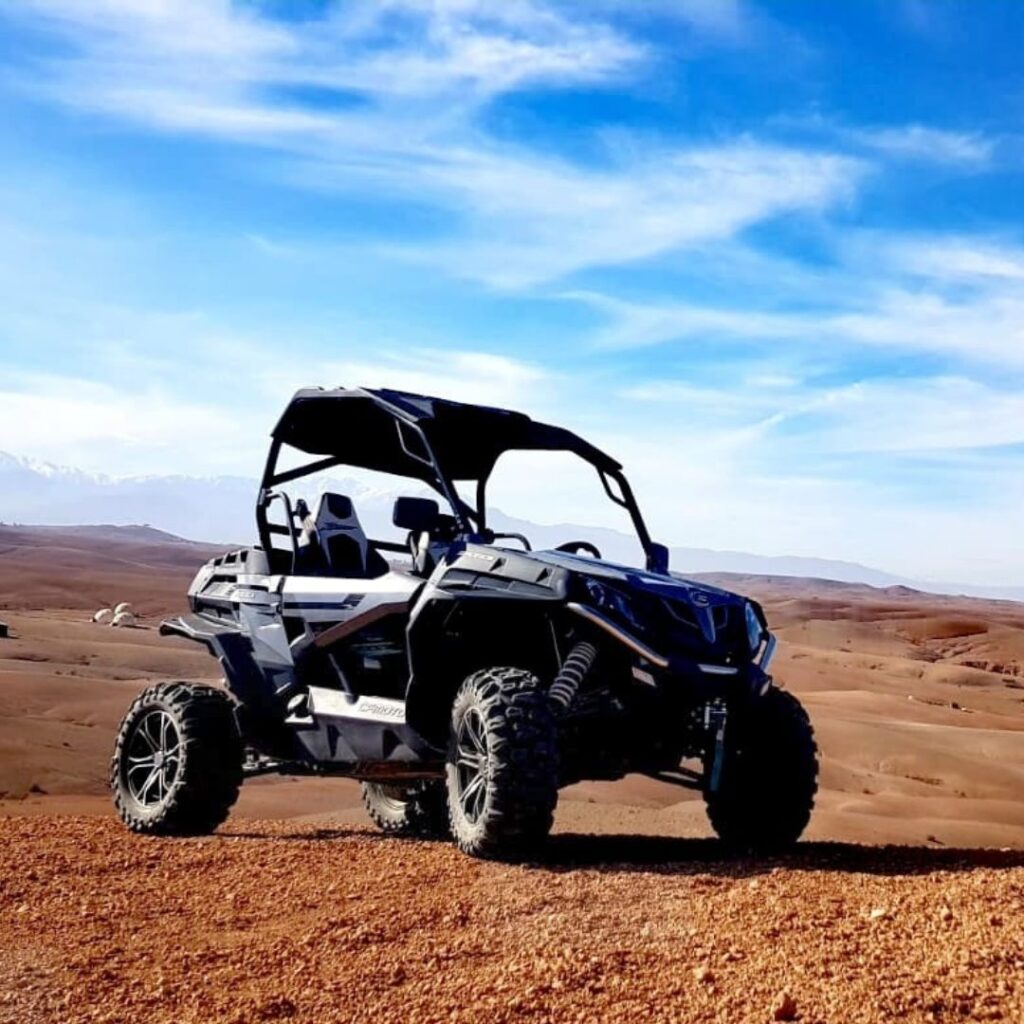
336, 507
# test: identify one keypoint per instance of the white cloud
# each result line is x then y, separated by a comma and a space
419, 76
381, 49
96, 426
920, 142
542, 220
639, 324
919, 476
808, 419
959, 298
986, 327
169, 413
935, 414
959, 258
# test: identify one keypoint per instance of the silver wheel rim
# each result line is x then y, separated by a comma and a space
153, 759
471, 765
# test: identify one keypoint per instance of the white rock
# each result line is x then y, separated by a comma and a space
124, 606
123, 619
103, 616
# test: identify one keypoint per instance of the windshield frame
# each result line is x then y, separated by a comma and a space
625, 499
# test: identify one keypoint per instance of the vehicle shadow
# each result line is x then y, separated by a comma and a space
671, 855
667, 855
306, 835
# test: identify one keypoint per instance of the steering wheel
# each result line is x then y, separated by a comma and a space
571, 547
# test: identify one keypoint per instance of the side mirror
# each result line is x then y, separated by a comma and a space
657, 558
415, 514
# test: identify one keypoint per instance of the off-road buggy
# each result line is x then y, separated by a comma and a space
465, 683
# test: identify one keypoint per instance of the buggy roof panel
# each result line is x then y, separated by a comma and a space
363, 427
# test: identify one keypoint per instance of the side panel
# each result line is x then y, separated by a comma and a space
341, 729
324, 600
331, 623
487, 606
277, 638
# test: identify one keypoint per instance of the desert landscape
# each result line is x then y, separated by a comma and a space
904, 901
917, 700
760, 265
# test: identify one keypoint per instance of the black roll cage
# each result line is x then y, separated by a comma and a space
466, 517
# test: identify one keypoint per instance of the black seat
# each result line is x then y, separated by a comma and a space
333, 542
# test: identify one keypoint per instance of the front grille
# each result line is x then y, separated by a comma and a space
729, 624
682, 612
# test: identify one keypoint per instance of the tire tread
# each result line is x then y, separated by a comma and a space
523, 744
424, 813
211, 767
769, 778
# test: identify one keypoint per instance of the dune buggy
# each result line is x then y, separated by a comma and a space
462, 677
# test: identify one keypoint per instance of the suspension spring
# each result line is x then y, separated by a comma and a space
562, 691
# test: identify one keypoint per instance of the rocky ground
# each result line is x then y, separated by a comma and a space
280, 921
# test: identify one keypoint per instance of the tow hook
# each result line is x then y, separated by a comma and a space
714, 721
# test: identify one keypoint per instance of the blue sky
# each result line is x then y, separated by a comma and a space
769, 255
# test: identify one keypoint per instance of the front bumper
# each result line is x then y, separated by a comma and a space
756, 671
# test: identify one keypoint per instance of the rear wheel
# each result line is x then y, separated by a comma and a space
769, 774
408, 809
177, 764
502, 768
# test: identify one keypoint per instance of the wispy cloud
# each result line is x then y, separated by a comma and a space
964, 259
920, 142
535, 220
406, 121
185, 64
634, 324
915, 414
958, 298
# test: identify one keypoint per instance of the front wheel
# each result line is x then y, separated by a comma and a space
769, 774
502, 768
177, 764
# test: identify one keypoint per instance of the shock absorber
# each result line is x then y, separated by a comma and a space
562, 691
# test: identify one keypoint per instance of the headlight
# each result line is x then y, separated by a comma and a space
610, 600
755, 631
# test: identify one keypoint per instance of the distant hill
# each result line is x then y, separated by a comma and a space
90, 567
131, 533
220, 509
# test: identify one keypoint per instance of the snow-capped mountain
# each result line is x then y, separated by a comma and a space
205, 509
216, 508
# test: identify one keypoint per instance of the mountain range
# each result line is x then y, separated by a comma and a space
220, 509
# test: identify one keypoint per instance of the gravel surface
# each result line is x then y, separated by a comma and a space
273, 921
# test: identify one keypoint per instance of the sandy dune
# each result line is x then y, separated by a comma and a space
918, 701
